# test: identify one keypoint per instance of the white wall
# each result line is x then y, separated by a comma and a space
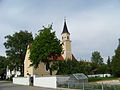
21, 80
100, 75
49, 82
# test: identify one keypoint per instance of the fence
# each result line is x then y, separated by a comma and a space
89, 86
62, 82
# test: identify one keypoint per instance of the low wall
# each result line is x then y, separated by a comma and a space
49, 82
21, 80
100, 75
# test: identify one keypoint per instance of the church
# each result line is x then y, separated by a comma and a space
65, 55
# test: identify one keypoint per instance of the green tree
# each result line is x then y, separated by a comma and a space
97, 62
16, 46
96, 58
102, 69
116, 63
3, 66
68, 67
84, 67
45, 46
109, 68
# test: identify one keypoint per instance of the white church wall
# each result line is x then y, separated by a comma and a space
49, 82
21, 80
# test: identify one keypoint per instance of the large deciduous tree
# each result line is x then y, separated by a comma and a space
3, 66
16, 46
45, 45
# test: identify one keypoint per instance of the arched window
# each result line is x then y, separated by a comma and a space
47, 66
62, 37
67, 37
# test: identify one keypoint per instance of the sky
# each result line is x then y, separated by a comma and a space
94, 25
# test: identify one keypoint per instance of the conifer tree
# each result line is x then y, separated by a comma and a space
116, 62
109, 69
96, 58
97, 62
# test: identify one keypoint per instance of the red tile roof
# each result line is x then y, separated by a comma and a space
60, 58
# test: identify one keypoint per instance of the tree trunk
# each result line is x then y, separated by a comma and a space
50, 71
22, 66
22, 69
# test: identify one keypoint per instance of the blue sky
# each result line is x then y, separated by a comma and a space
93, 24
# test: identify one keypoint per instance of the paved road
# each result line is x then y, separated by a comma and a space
5, 85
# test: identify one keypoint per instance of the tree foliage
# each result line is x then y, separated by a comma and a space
67, 67
45, 45
97, 63
84, 67
116, 63
109, 66
102, 69
3, 66
16, 46
96, 58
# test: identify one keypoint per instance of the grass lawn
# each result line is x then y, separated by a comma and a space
94, 79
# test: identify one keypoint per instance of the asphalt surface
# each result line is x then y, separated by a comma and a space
5, 85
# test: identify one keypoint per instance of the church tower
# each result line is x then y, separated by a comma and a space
66, 43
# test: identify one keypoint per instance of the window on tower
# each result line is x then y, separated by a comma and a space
67, 37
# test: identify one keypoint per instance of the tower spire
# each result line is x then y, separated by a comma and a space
65, 29
65, 19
